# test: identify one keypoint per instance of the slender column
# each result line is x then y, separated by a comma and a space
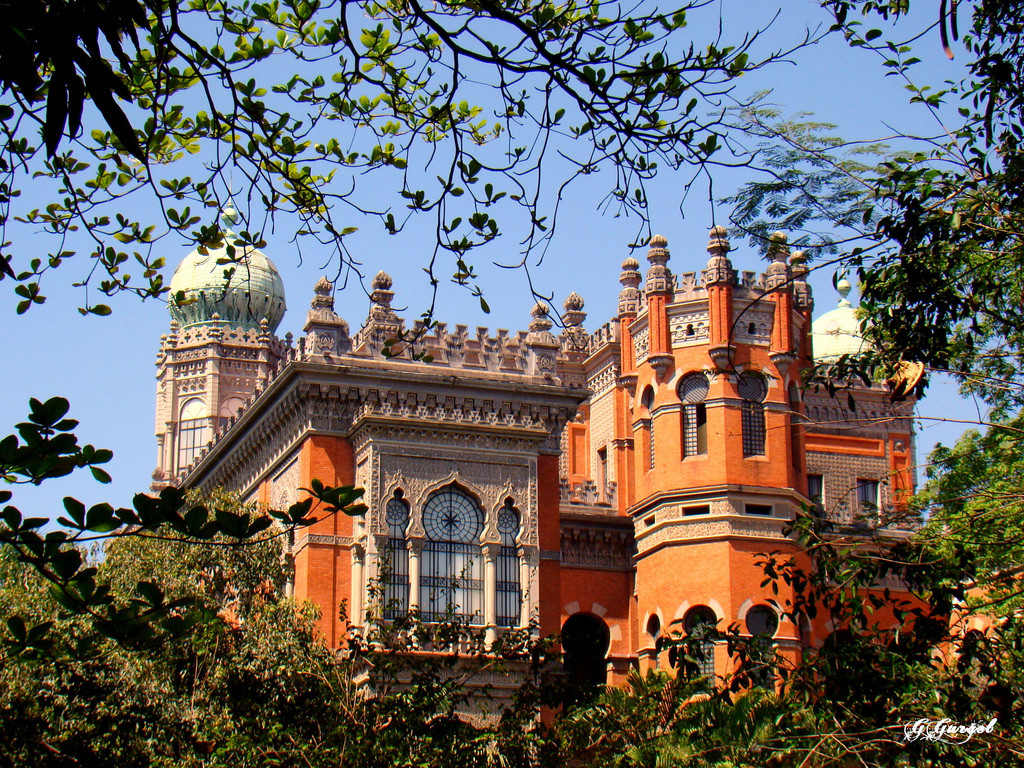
171, 450
491, 552
358, 565
524, 588
415, 549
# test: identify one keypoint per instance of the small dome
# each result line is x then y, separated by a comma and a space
630, 264
255, 290
573, 302
838, 332
540, 309
381, 281
658, 241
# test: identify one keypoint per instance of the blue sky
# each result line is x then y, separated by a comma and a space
106, 365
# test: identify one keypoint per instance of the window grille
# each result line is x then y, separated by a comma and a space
693, 389
509, 591
698, 623
762, 624
647, 401
753, 390
395, 568
451, 581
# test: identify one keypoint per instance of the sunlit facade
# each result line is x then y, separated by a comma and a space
614, 485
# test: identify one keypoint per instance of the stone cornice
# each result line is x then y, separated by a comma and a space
345, 400
706, 492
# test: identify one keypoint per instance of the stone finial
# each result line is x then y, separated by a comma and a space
228, 215
719, 269
574, 338
542, 344
540, 325
659, 278
321, 308
326, 333
629, 296
718, 242
843, 288
323, 299
381, 297
777, 274
574, 314
798, 264
541, 321
323, 287
777, 246
801, 290
382, 323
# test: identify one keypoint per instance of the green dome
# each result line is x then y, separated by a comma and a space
254, 291
838, 332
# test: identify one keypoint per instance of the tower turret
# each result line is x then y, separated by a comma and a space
226, 302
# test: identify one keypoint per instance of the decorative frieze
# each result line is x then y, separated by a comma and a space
597, 547
604, 378
689, 328
711, 526
641, 345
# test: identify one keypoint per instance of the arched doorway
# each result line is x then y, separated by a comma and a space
585, 642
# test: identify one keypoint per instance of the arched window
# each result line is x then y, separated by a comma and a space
509, 590
753, 390
762, 624
653, 633
395, 565
647, 403
653, 627
193, 432
228, 409
693, 389
452, 581
699, 623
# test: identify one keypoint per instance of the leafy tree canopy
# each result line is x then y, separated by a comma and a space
464, 109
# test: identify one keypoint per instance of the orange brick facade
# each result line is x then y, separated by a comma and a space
615, 485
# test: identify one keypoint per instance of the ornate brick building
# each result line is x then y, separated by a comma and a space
602, 484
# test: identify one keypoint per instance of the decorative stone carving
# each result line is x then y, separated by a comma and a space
641, 345
629, 296
777, 275
597, 547
690, 328
719, 270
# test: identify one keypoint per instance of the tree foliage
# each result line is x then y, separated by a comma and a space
46, 447
464, 109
